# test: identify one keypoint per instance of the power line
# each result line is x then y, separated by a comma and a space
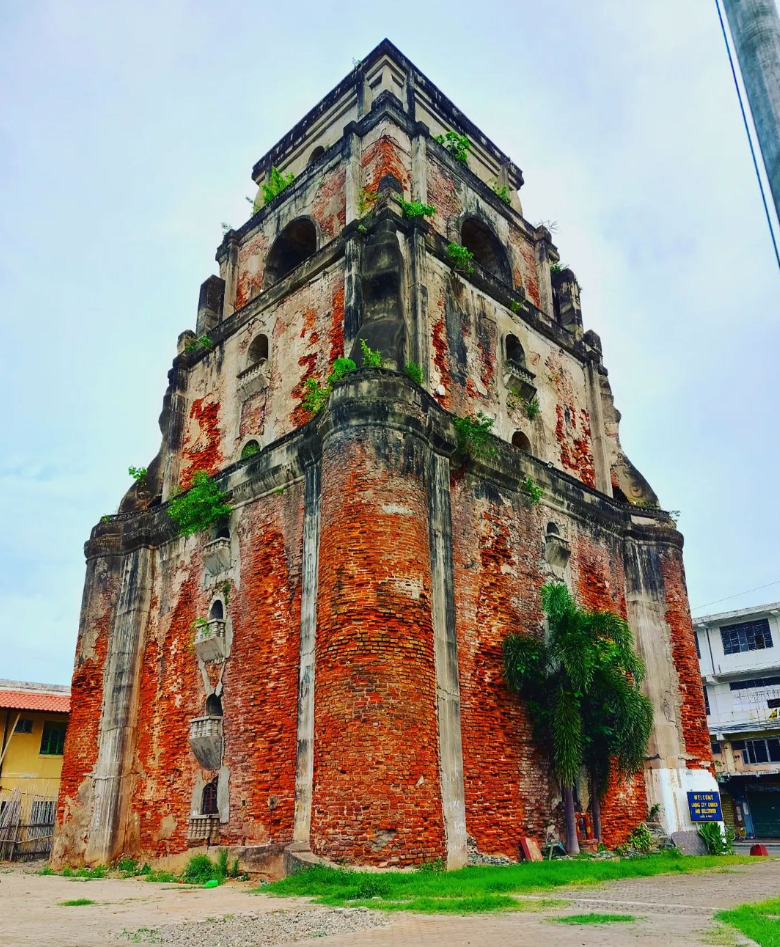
726, 599
749, 137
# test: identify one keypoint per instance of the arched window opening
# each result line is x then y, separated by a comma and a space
318, 152
520, 440
618, 494
217, 609
222, 531
552, 530
515, 354
250, 449
487, 249
295, 243
258, 351
208, 800
213, 706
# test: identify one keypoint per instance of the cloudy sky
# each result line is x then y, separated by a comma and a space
127, 135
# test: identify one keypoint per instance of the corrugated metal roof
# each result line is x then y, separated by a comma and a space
35, 700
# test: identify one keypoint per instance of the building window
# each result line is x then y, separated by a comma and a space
706, 701
752, 682
258, 351
773, 702
53, 739
696, 639
715, 747
487, 249
23, 726
514, 352
318, 152
249, 450
520, 440
761, 751
747, 636
296, 243
208, 802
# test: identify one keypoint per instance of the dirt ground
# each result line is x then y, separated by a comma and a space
670, 910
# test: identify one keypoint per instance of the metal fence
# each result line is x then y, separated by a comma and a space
26, 825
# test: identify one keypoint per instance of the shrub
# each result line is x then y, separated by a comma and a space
416, 209
203, 504
138, 473
502, 193
200, 869
516, 305
371, 357
222, 863
414, 372
473, 434
340, 368
531, 408
366, 201
195, 345
718, 841
457, 145
250, 449
460, 257
315, 395
640, 839
275, 184
532, 490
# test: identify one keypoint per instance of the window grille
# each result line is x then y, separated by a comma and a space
747, 636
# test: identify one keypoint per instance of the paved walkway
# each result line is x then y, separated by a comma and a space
671, 910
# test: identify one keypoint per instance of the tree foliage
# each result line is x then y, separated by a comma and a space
582, 685
203, 504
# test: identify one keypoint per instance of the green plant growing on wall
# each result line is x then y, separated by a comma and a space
201, 343
200, 624
457, 145
201, 505
372, 358
502, 193
412, 209
558, 268
460, 257
414, 372
516, 305
473, 433
340, 368
582, 686
532, 490
139, 474
531, 408
366, 201
250, 449
275, 184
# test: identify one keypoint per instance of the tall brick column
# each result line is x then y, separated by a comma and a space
377, 795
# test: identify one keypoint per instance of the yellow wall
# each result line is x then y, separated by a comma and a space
24, 766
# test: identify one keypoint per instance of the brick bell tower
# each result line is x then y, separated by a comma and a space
324, 673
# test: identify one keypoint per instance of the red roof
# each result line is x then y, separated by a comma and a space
32, 700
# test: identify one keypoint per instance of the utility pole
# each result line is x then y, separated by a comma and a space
755, 30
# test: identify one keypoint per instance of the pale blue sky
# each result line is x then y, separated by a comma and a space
127, 134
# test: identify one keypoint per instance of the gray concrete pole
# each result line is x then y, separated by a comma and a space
755, 28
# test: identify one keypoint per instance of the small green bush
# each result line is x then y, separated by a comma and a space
340, 368
250, 449
531, 408
138, 473
556, 268
457, 145
416, 209
434, 866
366, 201
473, 434
200, 869
640, 839
460, 257
76, 903
414, 372
203, 504
275, 184
222, 863
517, 306
718, 841
203, 342
315, 395
502, 193
371, 357
532, 490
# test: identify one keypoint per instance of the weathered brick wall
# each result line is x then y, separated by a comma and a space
261, 675
496, 543
81, 741
377, 796
683, 640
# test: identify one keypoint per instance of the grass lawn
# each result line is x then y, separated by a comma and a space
480, 888
594, 918
760, 921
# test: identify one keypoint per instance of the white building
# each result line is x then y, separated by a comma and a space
739, 655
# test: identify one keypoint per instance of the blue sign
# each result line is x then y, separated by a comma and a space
704, 807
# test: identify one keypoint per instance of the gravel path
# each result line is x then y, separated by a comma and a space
261, 930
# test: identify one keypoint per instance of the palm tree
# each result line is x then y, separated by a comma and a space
582, 687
